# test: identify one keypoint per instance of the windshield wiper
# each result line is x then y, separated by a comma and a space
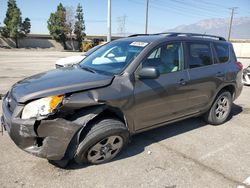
88, 69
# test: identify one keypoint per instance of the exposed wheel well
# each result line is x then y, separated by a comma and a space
107, 113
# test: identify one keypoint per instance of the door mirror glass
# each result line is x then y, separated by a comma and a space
148, 73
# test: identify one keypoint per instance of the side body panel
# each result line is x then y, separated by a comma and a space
160, 100
204, 84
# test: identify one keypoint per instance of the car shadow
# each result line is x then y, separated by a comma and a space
141, 141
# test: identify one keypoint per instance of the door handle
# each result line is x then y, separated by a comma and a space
182, 82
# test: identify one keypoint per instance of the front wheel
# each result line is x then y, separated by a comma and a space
220, 110
106, 138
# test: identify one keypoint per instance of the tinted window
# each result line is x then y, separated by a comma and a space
167, 58
199, 55
222, 52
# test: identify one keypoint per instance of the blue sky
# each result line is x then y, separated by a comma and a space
163, 14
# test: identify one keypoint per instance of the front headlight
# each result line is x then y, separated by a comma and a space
42, 107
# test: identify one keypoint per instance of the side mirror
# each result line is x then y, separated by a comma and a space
148, 73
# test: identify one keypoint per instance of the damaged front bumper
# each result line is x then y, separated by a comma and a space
46, 138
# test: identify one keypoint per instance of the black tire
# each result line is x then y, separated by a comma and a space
109, 129
213, 114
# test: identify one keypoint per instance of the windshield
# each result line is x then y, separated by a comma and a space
91, 50
113, 57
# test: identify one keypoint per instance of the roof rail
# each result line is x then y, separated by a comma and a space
176, 34
135, 35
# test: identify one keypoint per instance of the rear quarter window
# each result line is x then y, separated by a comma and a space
222, 52
232, 54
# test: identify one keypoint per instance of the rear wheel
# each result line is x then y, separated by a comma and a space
220, 110
106, 138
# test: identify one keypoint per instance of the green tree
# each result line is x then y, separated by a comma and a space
14, 27
57, 25
26, 25
79, 25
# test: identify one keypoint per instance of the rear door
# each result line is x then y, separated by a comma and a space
205, 74
165, 98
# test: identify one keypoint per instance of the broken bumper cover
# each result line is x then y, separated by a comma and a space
46, 138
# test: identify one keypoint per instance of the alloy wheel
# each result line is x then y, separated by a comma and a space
105, 149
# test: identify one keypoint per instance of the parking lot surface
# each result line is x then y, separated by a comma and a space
189, 153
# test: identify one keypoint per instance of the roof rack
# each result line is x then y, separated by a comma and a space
136, 35
176, 34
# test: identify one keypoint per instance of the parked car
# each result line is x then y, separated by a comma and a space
72, 60
88, 112
246, 76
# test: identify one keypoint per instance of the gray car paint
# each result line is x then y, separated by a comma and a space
57, 82
125, 95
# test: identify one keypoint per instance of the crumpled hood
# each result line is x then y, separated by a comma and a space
57, 82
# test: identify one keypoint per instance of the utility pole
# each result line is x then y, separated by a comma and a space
121, 25
146, 24
109, 21
231, 22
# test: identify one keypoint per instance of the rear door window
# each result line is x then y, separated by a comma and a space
222, 52
199, 54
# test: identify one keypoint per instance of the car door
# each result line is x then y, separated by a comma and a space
205, 74
165, 98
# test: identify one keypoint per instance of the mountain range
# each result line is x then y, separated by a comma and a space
218, 26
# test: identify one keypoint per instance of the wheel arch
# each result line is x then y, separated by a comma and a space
87, 115
231, 88
209, 116
107, 112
